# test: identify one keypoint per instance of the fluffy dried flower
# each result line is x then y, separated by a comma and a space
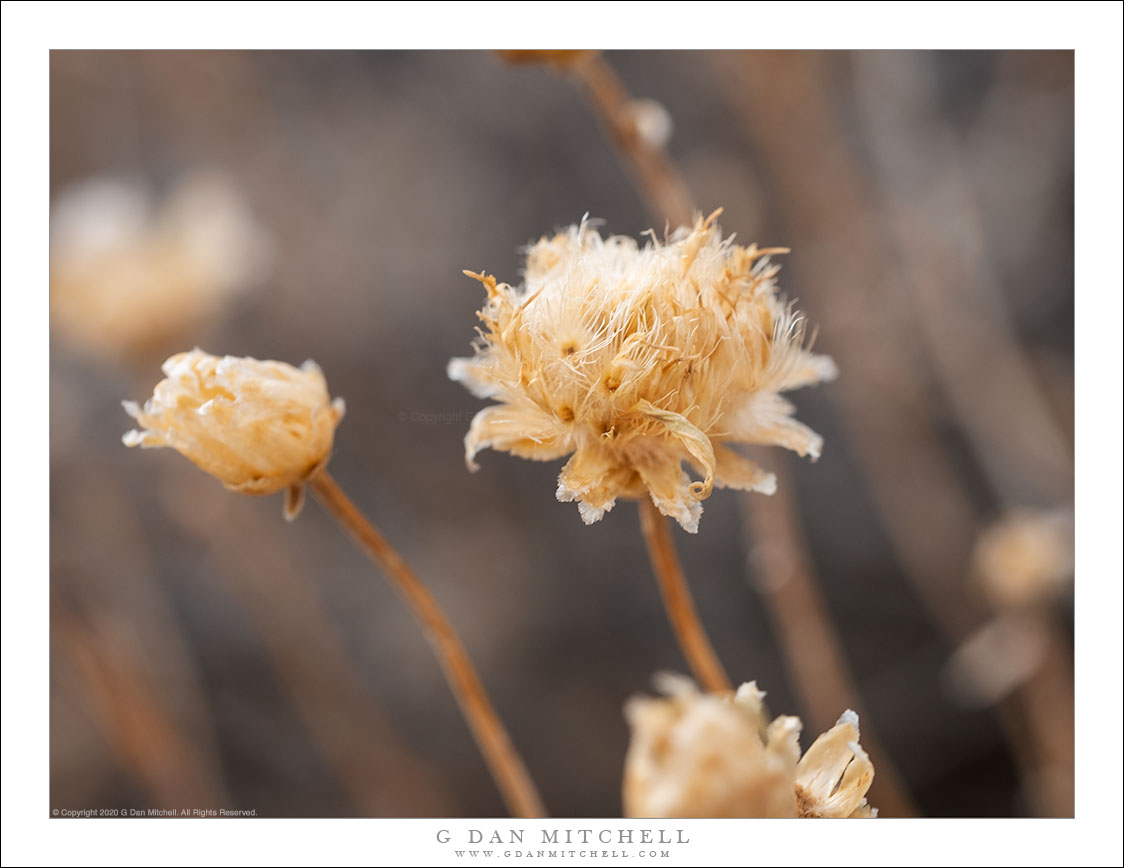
259, 427
128, 274
718, 755
638, 359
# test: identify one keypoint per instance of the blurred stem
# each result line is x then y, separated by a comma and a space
677, 600
147, 740
652, 169
813, 648
507, 767
667, 195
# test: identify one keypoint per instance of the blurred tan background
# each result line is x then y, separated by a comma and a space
295, 205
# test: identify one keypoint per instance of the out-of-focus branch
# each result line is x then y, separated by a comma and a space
788, 115
948, 273
344, 722
813, 650
103, 568
647, 161
148, 743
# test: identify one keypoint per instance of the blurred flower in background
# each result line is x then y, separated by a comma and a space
131, 273
1025, 559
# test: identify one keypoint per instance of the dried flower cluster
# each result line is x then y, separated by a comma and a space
718, 755
127, 275
638, 359
259, 427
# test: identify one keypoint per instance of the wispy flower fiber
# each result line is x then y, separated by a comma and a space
633, 360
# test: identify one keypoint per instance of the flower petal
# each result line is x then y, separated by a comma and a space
803, 368
670, 487
524, 431
471, 373
766, 418
693, 440
833, 776
738, 472
595, 478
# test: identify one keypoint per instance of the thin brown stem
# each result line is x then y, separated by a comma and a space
656, 176
507, 767
677, 600
667, 195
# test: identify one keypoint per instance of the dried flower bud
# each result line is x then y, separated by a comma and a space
259, 427
705, 755
716, 755
835, 773
638, 359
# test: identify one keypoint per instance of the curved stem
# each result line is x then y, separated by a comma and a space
503, 761
656, 176
677, 600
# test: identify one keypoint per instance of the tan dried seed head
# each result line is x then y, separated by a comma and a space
633, 360
718, 755
708, 755
259, 427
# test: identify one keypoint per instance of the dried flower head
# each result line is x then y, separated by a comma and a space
129, 274
259, 427
638, 359
718, 755
708, 755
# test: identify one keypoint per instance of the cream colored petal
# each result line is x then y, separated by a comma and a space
524, 431
752, 699
803, 369
766, 419
669, 487
595, 478
474, 376
850, 798
738, 472
782, 750
782, 739
835, 773
692, 439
